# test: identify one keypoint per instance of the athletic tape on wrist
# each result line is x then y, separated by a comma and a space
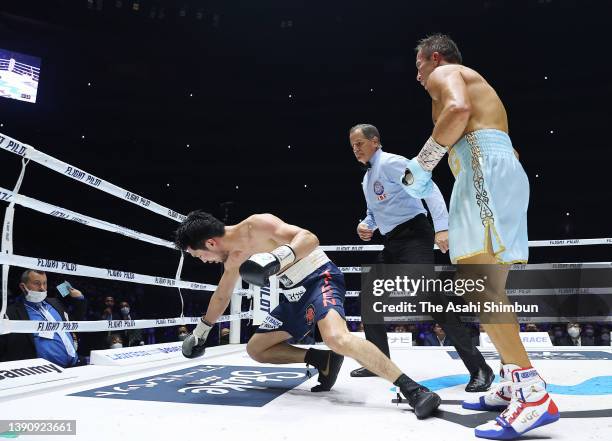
430, 154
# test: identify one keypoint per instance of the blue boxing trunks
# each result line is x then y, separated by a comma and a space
489, 198
308, 301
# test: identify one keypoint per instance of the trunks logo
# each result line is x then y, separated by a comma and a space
271, 323
378, 188
251, 386
310, 314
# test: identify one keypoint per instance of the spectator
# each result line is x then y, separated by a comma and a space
182, 333
115, 341
109, 312
399, 328
412, 328
224, 338
588, 335
604, 338
531, 327
573, 337
33, 304
133, 337
438, 338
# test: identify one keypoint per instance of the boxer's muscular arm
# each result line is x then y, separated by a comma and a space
448, 88
301, 241
223, 294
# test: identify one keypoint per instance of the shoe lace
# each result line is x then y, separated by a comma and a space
513, 410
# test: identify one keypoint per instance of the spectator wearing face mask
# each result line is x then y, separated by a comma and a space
133, 337
182, 333
115, 341
573, 337
33, 304
531, 327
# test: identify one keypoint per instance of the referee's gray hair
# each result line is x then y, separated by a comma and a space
368, 130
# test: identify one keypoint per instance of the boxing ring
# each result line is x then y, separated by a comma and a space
153, 392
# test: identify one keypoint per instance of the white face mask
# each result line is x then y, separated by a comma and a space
182, 336
573, 332
36, 296
125, 310
116, 346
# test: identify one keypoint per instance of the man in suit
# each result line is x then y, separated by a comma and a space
33, 304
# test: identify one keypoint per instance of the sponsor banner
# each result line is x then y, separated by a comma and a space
12, 145
27, 372
558, 353
529, 339
29, 326
137, 354
396, 340
250, 386
62, 213
56, 266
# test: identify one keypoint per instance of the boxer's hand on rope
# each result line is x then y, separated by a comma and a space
259, 267
194, 344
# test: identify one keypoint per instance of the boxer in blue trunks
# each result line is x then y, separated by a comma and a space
487, 220
262, 246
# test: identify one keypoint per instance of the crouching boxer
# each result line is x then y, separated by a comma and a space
262, 246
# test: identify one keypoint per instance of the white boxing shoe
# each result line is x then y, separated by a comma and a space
530, 407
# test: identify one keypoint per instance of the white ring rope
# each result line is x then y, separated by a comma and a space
532, 244
63, 213
27, 151
7, 238
29, 326
56, 266
515, 267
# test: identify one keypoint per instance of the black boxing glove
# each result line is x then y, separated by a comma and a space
259, 267
194, 344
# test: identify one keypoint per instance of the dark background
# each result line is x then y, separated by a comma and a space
217, 75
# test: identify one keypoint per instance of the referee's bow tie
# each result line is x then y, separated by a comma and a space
366, 166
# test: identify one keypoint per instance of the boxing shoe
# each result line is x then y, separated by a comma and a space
328, 363
422, 400
530, 407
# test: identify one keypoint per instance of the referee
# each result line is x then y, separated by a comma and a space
408, 238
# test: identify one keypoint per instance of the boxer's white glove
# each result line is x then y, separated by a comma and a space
259, 267
193, 345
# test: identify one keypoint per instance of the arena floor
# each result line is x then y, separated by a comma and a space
157, 402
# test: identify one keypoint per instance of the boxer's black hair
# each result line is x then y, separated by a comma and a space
442, 44
196, 229
368, 130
